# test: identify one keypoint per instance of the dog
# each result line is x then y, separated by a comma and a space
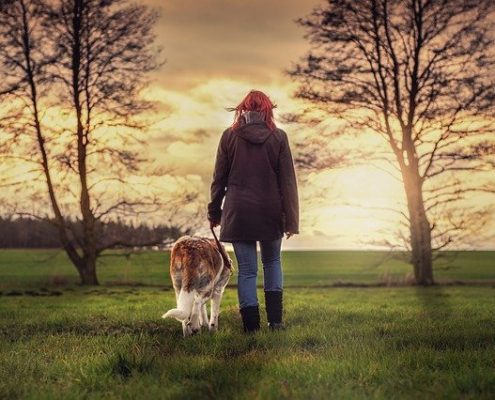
198, 273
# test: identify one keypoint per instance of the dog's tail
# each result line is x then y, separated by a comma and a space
178, 314
184, 306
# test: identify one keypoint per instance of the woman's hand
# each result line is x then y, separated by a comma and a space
288, 234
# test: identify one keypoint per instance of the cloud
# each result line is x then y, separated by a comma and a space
186, 139
217, 38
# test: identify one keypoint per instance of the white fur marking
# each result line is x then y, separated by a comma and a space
185, 302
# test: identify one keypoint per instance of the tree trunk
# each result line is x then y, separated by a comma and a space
87, 272
420, 230
69, 248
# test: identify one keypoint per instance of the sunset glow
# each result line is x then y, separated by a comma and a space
216, 52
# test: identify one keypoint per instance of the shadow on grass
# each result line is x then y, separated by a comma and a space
227, 364
86, 328
434, 301
443, 328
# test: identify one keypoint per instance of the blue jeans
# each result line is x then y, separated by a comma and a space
247, 261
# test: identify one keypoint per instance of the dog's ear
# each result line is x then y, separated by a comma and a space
179, 315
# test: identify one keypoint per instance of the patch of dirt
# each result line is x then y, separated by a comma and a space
33, 293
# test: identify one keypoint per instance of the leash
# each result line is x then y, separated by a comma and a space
226, 259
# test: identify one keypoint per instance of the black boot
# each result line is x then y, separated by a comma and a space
250, 318
274, 308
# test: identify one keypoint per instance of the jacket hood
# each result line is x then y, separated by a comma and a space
254, 129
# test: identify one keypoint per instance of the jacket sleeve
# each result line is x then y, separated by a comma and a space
288, 188
219, 183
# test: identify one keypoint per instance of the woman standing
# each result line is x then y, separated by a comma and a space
255, 172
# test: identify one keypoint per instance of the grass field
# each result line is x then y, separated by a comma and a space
35, 268
62, 341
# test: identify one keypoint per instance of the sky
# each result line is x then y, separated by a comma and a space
218, 50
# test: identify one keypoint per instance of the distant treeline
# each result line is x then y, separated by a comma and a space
37, 233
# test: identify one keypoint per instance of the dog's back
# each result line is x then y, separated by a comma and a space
194, 264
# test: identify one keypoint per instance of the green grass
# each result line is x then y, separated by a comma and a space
35, 268
387, 343
62, 341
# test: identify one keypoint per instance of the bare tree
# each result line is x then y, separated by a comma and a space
24, 73
71, 74
419, 73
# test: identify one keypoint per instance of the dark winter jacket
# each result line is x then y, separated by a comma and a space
255, 172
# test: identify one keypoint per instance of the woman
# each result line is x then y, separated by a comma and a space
255, 173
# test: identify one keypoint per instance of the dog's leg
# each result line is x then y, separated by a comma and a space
195, 313
186, 328
216, 298
176, 276
177, 291
203, 316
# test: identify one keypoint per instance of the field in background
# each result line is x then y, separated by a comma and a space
36, 268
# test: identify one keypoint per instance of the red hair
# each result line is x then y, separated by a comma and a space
255, 100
